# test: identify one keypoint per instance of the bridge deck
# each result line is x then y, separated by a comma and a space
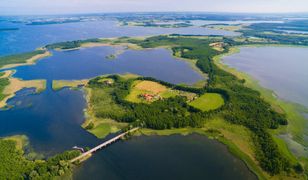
85, 154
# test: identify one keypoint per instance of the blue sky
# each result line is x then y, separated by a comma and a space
93, 6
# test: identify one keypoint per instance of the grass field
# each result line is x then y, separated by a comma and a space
100, 102
103, 127
208, 101
153, 88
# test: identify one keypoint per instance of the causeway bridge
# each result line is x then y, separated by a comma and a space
105, 144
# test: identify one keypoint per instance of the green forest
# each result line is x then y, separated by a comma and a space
15, 165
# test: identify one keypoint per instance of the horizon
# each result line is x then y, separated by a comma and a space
305, 13
57, 7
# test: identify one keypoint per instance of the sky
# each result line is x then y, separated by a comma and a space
28, 7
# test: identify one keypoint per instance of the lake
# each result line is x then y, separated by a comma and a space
165, 157
91, 62
282, 69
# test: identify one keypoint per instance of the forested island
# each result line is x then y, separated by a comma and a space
242, 107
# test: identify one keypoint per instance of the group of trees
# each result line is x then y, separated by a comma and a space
72, 44
163, 114
19, 58
244, 106
14, 165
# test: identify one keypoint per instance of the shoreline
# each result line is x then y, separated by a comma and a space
16, 85
30, 61
293, 111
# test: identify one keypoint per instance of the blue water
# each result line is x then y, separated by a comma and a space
29, 37
282, 69
166, 157
90, 62
51, 120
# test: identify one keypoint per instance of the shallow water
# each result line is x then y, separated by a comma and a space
166, 157
282, 69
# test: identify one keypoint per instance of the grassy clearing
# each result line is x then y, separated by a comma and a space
285, 150
208, 101
100, 103
103, 127
60, 84
150, 87
128, 76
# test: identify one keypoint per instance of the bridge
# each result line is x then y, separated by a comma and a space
105, 144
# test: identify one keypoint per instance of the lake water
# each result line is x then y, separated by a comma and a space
170, 157
29, 37
90, 62
282, 69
